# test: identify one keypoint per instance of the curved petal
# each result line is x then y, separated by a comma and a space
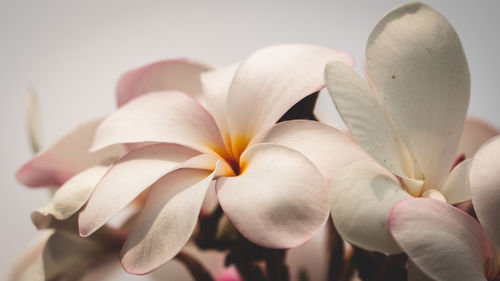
456, 188
361, 197
367, 120
475, 133
443, 241
284, 195
270, 82
216, 85
328, 148
167, 220
172, 117
69, 198
484, 183
132, 175
311, 258
27, 267
55, 165
415, 274
167, 75
419, 69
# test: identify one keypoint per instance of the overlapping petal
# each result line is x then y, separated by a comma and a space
270, 82
132, 175
55, 165
362, 196
168, 75
449, 245
367, 119
485, 188
69, 198
456, 188
328, 148
280, 198
172, 117
418, 66
476, 132
167, 220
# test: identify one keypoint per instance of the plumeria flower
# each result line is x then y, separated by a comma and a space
451, 244
271, 180
409, 118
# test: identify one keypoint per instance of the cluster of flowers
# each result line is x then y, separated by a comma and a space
212, 175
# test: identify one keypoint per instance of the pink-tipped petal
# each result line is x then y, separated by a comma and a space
168, 75
443, 241
132, 175
69, 198
271, 81
55, 165
328, 148
361, 197
476, 132
171, 117
167, 220
485, 189
280, 198
367, 119
419, 69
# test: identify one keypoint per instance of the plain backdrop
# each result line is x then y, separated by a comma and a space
73, 52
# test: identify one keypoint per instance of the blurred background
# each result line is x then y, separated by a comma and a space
72, 53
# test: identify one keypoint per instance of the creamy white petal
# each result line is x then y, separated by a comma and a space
69, 198
328, 148
475, 133
456, 188
443, 241
280, 198
419, 69
56, 164
132, 175
485, 189
167, 220
171, 117
361, 197
270, 82
168, 75
367, 120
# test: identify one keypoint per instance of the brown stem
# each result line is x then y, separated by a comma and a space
245, 255
276, 268
336, 263
367, 263
393, 269
207, 231
197, 270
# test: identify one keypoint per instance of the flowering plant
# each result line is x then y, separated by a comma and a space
217, 169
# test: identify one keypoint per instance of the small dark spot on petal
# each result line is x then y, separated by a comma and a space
393, 77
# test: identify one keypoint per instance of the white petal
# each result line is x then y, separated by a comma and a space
361, 197
167, 220
328, 148
172, 117
280, 198
443, 241
485, 189
456, 188
70, 197
216, 85
270, 82
132, 175
419, 69
67, 157
367, 120
168, 75
475, 133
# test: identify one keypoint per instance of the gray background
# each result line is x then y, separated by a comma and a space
72, 52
